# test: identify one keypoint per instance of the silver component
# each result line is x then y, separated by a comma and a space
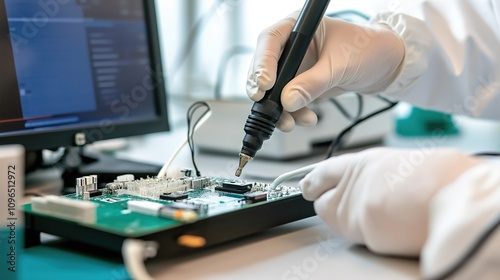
86, 195
80, 139
79, 186
94, 182
88, 184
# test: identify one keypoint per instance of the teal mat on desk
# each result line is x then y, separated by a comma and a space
55, 262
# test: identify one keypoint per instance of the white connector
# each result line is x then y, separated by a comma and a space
66, 208
144, 207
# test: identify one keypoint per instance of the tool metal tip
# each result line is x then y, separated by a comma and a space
238, 172
244, 159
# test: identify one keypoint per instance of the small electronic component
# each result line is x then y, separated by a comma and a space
173, 196
154, 187
187, 216
94, 193
197, 207
235, 187
151, 208
86, 184
255, 197
66, 208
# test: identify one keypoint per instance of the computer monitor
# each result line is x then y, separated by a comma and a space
79, 71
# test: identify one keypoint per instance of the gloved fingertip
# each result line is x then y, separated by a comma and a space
305, 186
285, 126
263, 79
286, 123
307, 118
292, 100
253, 91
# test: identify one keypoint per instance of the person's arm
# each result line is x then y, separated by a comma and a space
452, 59
433, 203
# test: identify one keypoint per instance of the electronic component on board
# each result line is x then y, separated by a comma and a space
156, 186
255, 197
86, 184
199, 208
235, 187
187, 216
95, 193
161, 210
173, 196
65, 208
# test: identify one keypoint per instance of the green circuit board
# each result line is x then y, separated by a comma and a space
213, 196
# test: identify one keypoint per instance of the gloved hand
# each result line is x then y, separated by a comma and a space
342, 57
381, 197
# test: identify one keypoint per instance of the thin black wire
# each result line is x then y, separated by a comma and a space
191, 128
361, 105
487, 154
345, 112
348, 13
342, 110
336, 144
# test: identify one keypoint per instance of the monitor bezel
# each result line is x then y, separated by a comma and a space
67, 137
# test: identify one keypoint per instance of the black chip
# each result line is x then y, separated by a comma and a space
237, 185
255, 197
173, 196
231, 190
94, 193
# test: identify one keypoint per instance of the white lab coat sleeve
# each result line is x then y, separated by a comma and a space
460, 215
452, 60
435, 204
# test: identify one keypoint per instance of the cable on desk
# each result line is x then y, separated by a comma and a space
134, 253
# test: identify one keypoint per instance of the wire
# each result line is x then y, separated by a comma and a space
191, 128
341, 109
164, 170
291, 174
336, 144
134, 252
343, 13
345, 112
472, 251
487, 154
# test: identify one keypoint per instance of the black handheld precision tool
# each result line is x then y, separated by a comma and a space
265, 113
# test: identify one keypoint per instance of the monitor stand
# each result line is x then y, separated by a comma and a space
106, 167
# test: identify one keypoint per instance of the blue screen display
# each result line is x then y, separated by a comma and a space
70, 63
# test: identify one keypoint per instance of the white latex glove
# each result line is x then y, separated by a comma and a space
381, 197
343, 57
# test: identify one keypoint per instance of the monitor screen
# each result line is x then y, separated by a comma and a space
79, 71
